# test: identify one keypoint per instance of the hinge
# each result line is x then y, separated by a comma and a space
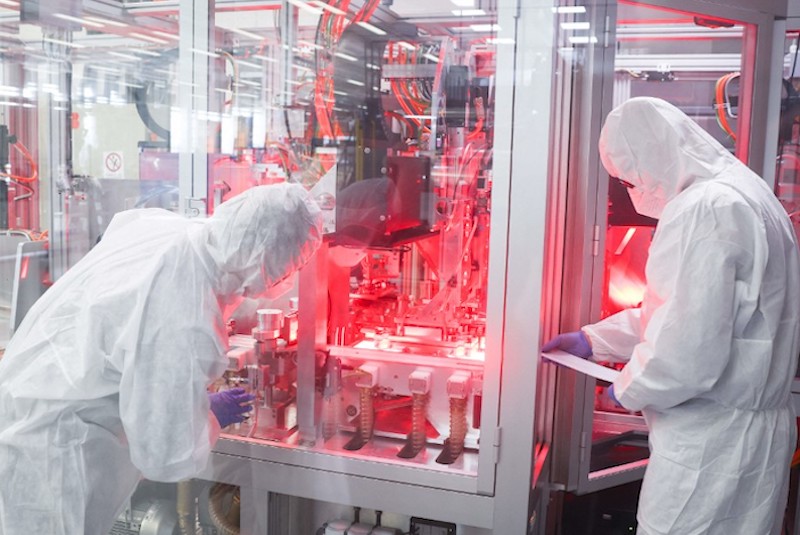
607, 32
496, 446
596, 240
195, 207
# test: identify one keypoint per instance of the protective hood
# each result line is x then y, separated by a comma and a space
660, 151
260, 237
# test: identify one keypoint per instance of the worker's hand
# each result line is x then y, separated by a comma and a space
575, 343
613, 397
230, 406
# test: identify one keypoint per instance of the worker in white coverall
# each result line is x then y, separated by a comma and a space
710, 356
105, 380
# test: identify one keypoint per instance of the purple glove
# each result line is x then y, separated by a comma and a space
574, 342
612, 396
230, 406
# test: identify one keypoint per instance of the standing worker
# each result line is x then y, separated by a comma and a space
711, 354
105, 380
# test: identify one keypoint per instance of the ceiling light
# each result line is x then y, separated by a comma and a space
407, 46
327, 7
500, 41
468, 12
107, 22
575, 25
60, 42
306, 7
464, 3
348, 57
370, 27
124, 56
431, 57
10, 3
569, 9
146, 52
78, 20
148, 38
582, 40
245, 33
250, 64
167, 35
355, 82
485, 27
205, 53
309, 44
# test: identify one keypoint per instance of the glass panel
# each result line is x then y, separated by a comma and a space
386, 116
787, 181
693, 62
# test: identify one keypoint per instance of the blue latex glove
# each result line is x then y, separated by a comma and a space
230, 406
612, 396
574, 343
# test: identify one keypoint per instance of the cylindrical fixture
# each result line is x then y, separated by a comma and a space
185, 508
270, 322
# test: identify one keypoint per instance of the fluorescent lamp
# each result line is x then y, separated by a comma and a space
407, 46
205, 53
60, 42
146, 52
250, 64
500, 41
245, 33
327, 7
78, 20
124, 56
355, 82
370, 27
148, 38
485, 27
167, 35
10, 3
575, 25
582, 39
569, 9
309, 44
468, 12
464, 3
306, 7
431, 57
107, 22
348, 57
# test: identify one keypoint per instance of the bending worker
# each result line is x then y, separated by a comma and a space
711, 354
105, 380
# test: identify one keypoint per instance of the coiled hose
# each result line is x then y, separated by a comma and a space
366, 418
458, 426
227, 523
419, 410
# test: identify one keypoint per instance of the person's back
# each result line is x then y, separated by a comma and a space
61, 374
106, 379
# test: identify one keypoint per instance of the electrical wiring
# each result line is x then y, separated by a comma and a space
721, 104
34, 169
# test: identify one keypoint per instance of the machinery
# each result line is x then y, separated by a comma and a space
451, 145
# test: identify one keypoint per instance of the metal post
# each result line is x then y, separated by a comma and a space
190, 126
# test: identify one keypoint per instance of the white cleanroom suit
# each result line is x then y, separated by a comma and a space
105, 380
712, 352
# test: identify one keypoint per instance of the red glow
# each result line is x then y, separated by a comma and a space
23, 273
